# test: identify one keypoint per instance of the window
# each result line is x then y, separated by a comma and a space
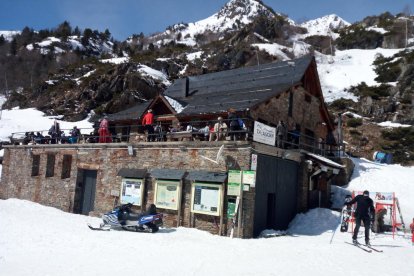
35, 165
50, 165
167, 194
206, 198
66, 166
132, 191
290, 110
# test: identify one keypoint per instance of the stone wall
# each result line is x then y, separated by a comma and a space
107, 160
306, 113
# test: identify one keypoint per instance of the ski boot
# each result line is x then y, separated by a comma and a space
355, 242
367, 243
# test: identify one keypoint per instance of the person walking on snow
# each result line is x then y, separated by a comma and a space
364, 211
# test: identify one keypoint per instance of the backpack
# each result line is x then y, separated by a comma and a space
241, 123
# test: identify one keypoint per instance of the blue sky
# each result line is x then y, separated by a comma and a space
126, 17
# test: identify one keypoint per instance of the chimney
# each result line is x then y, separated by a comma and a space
186, 85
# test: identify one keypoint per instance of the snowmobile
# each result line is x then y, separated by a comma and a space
122, 218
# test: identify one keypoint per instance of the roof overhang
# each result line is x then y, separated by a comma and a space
324, 162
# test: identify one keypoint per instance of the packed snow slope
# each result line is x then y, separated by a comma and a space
39, 240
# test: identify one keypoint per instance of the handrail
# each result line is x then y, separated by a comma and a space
137, 133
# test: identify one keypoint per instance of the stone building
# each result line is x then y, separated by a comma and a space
197, 183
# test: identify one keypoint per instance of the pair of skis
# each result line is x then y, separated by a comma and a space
366, 248
101, 228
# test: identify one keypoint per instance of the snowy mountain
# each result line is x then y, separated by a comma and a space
232, 17
327, 25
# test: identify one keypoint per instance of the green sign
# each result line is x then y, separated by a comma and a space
231, 209
234, 183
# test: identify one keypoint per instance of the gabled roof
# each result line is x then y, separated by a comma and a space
132, 113
240, 89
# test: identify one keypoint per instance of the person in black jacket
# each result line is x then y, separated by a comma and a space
364, 211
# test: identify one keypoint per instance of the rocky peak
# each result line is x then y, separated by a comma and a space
232, 17
325, 25
244, 10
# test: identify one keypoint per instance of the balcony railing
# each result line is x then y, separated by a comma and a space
164, 132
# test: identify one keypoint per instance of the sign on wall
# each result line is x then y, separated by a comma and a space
234, 183
249, 178
253, 165
264, 134
206, 198
131, 191
167, 194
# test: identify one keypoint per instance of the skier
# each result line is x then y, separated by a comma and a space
364, 211
412, 231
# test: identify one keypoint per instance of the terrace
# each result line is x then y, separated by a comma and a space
188, 132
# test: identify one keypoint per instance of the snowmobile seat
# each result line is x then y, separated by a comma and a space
132, 216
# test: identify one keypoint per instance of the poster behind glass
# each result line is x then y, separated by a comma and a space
167, 195
131, 191
206, 199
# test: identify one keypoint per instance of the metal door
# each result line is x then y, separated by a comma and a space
89, 180
85, 192
276, 193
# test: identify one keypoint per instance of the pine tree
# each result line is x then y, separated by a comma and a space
13, 47
64, 30
77, 31
87, 34
107, 34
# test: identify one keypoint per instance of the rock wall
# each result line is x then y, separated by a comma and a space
108, 159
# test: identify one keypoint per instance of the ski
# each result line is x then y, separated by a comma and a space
372, 248
346, 214
360, 247
98, 228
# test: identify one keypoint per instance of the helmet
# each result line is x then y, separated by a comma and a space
366, 193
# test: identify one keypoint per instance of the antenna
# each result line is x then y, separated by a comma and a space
219, 156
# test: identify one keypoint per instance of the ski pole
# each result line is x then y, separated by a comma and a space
339, 225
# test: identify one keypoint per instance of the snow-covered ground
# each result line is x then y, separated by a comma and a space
20, 121
39, 240
348, 68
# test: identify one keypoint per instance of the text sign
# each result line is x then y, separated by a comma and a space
264, 134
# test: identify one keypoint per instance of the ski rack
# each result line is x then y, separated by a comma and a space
399, 212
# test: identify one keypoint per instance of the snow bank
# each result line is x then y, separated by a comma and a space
273, 49
389, 124
314, 222
37, 240
119, 60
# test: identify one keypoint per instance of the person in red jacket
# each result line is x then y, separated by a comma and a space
148, 122
412, 231
104, 134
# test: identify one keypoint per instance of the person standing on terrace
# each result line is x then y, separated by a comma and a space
104, 134
148, 122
